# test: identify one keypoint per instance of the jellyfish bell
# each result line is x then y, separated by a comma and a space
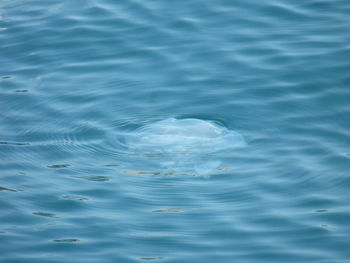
176, 134
184, 144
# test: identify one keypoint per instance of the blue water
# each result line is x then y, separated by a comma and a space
77, 77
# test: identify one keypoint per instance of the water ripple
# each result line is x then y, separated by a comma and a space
78, 77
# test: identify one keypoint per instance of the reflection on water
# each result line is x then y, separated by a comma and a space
151, 258
7, 189
21, 90
75, 197
45, 214
59, 165
94, 178
68, 240
169, 210
14, 143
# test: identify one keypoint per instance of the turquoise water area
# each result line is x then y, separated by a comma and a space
78, 77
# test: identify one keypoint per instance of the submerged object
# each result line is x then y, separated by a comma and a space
183, 145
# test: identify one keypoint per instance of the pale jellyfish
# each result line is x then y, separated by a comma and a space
183, 146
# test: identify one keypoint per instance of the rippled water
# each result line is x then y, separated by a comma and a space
76, 76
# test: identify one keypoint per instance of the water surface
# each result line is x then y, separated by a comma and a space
77, 76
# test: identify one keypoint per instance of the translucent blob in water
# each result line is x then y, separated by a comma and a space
184, 145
